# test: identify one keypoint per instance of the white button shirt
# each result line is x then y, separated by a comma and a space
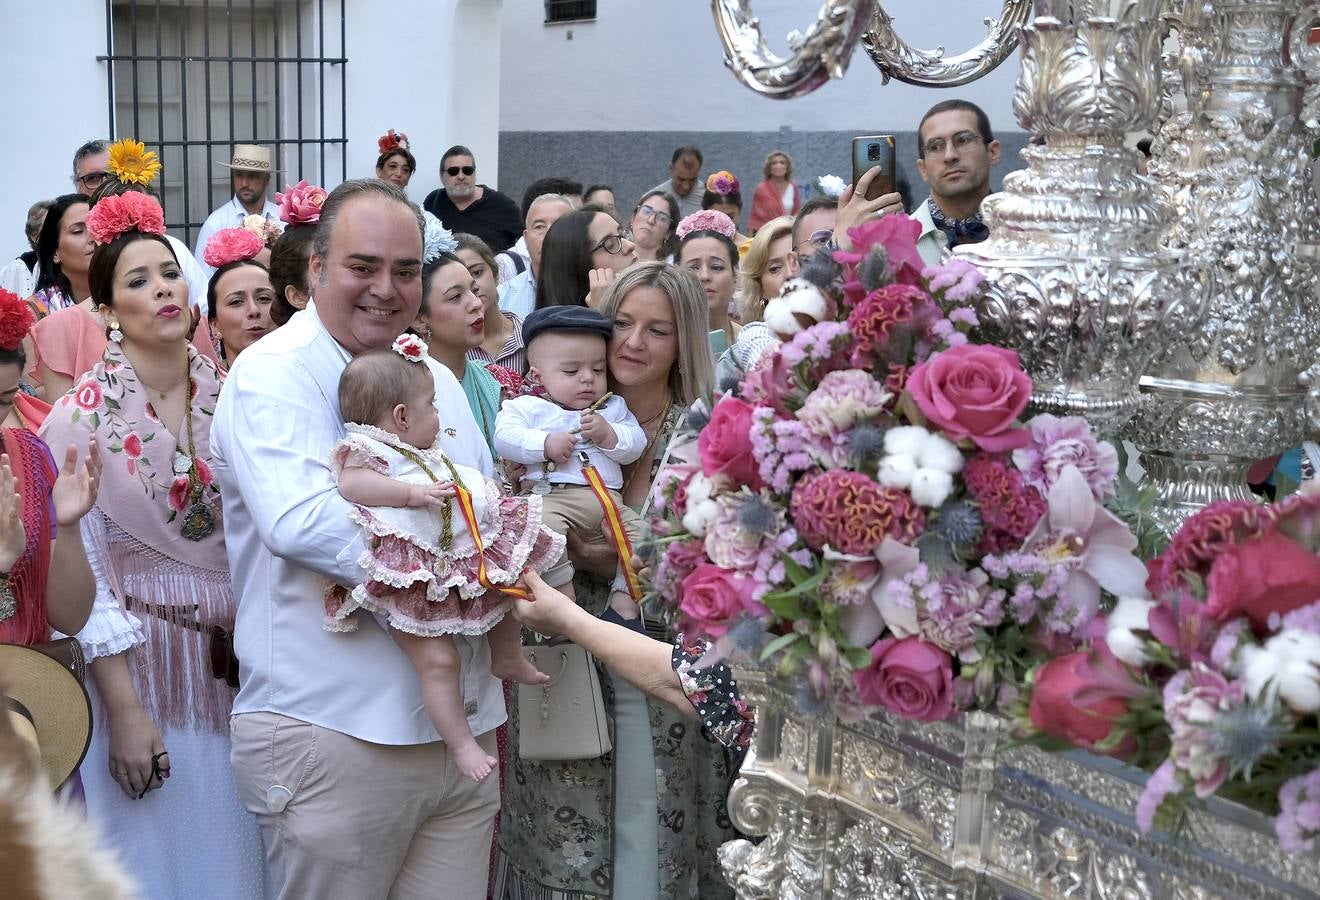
231, 215
287, 530
524, 423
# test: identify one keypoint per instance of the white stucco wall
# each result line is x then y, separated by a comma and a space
659, 66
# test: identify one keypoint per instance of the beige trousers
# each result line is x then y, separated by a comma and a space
574, 506
362, 821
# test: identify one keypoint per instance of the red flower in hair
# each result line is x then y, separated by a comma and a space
15, 320
392, 140
230, 245
113, 216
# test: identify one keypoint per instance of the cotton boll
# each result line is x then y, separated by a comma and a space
908, 440
779, 318
897, 471
931, 487
804, 298
699, 516
1289, 664
941, 454
1130, 615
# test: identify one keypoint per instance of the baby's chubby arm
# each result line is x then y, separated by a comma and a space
360, 485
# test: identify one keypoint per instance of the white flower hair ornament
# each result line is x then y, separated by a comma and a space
437, 239
830, 185
410, 347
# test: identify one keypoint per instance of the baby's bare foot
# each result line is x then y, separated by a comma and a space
517, 667
472, 761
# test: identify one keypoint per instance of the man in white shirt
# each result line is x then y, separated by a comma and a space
251, 167
518, 296
684, 178
332, 748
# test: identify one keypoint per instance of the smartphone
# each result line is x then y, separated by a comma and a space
873, 150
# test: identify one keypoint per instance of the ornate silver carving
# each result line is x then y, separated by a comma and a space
895, 809
824, 51
1075, 279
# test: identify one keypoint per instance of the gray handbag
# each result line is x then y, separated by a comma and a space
564, 719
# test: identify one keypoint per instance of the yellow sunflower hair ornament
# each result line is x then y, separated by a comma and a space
132, 163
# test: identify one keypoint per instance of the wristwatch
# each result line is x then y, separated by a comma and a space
8, 605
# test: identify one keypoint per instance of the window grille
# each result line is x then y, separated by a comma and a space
569, 10
191, 78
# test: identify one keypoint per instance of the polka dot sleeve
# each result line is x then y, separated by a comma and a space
713, 693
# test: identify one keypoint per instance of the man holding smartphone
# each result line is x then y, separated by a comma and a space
955, 150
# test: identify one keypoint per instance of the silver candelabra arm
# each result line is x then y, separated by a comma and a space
895, 58
817, 56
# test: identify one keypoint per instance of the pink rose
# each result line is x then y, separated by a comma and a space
974, 392
301, 204
713, 598
725, 444
132, 445
179, 491
909, 678
676, 564
1071, 703
1263, 575
87, 396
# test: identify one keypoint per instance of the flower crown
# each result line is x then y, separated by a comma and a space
707, 220
15, 320
264, 228
392, 140
132, 163
437, 239
300, 204
231, 245
723, 183
410, 347
116, 215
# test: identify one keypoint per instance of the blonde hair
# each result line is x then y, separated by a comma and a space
765, 169
751, 299
692, 375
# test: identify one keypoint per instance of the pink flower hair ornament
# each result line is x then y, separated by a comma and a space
707, 220
117, 215
300, 204
723, 183
410, 347
231, 245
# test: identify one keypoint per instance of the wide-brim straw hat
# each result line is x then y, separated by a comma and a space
250, 158
40, 695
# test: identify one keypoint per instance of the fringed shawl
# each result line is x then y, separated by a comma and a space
35, 474
177, 587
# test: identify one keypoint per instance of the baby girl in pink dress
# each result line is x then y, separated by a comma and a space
428, 575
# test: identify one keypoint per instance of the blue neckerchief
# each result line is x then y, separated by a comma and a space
971, 230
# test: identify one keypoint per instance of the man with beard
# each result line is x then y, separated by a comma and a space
955, 150
251, 168
465, 206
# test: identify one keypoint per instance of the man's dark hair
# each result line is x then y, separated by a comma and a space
457, 150
554, 184
592, 188
688, 150
91, 148
811, 206
982, 121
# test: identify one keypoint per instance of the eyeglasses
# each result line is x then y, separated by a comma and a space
961, 141
611, 244
453, 171
92, 180
655, 215
814, 242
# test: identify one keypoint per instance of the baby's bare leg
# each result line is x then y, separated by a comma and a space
506, 656
437, 665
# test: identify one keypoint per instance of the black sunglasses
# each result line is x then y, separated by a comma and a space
454, 170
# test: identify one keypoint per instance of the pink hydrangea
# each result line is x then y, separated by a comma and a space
852, 513
1057, 443
728, 543
231, 245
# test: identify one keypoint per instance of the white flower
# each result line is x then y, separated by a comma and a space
921, 462
1130, 615
1288, 665
437, 239
701, 509
830, 185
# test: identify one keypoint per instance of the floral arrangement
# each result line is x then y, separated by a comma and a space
231, 245
118, 214
15, 320
436, 239
132, 163
723, 183
392, 140
301, 203
265, 229
867, 511
1213, 680
707, 220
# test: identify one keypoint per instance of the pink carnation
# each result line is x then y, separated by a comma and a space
301, 204
852, 513
231, 245
1057, 443
707, 220
115, 215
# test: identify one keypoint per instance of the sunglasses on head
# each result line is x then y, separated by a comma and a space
453, 171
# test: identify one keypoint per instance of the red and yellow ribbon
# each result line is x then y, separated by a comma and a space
470, 516
615, 524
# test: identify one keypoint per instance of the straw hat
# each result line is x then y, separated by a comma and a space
250, 158
47, 705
